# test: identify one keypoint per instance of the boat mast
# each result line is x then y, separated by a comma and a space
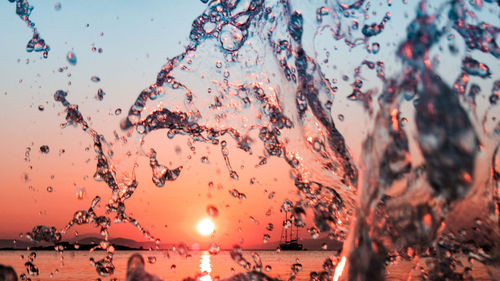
285, 222
297, 233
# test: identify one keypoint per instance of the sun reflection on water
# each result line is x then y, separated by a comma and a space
205, 266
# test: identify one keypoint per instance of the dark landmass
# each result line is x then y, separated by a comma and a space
124, 244
85, 244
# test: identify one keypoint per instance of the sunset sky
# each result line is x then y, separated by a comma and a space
136, 41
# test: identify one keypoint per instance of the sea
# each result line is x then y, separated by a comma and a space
76, 265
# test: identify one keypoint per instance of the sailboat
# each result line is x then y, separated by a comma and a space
290, 243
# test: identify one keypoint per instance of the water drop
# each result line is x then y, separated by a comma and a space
100, 94
375, 48
266, 238
80, 193
44, 149
473, 67
320, 12
212, 211
95, 79
234, 175
204, 160
41, 107
271, 195
118, 111
296, 268
152, 259
214, 249
32, 269
403, 121
314, 232
49, 189
71, 58
231, 37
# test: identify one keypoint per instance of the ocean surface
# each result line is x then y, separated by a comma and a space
75, 265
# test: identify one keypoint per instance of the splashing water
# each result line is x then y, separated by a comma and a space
37, 43
261, 74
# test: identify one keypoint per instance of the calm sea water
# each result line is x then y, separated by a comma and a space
75, 265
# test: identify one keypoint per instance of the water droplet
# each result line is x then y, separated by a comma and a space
234, 175
44, 149
49, 189
320, 12
242, 196
271, 195
118, 111
95, 79
266, 238
204, 160
152, 259
341, 117
268, 268
212, 211
41, 107
314, 232
214, 249
80, 193
231, 37
375, 29
473, 67
375, 48
403, 121
100, 94
296, 268
32, 269
71, 58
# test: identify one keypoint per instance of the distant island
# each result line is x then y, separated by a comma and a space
125, 244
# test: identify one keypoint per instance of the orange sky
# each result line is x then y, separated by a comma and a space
29, 81
137, 41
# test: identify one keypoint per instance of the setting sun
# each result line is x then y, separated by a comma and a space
205, 227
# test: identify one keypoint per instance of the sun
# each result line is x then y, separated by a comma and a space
205, 227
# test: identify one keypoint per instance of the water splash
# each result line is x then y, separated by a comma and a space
264, 88
36, 43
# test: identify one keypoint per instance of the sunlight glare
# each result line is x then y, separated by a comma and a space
205, 227
339, 269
